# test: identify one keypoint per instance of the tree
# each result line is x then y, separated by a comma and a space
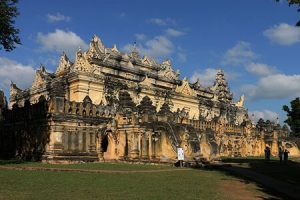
8, 33
292, 3
293, 115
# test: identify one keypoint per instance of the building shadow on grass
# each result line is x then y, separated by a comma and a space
279, 180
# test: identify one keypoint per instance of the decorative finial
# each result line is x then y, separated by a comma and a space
135, 52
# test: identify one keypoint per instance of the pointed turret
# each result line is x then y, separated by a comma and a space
14, 90
196, 85
115, 49
135, 52
96, 49
42, 77
42, 68
64, 65
221, 88
166, 64
96, 42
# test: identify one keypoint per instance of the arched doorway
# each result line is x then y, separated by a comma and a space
104, 143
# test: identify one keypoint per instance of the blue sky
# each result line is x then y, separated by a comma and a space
255, 42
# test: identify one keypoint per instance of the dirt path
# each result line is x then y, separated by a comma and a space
89, 170
241, 190
289, 191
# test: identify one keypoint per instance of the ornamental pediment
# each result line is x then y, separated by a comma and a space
81, 63
167, 71
14, 90
39, 80
185, 88
146, 82
147, 61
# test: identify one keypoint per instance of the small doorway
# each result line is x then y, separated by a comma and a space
104, 143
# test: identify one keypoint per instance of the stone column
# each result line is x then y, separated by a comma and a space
274, 148
122, 145
56, 138
150, 145
65, 140
145, 147
140, 144
76, 140
262, 143
99, 149
88, 139
134, 146
83, 141
92, 146
72, 138
69, 140
80, 140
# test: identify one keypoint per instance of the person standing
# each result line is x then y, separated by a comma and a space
280, 153
286, 156
267, 153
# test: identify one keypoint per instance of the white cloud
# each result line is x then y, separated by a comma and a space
283, 34
276, 86
264, 114
140, 36
181, 57
20, 74
206, 77
261, 69
163, 22
174, 33
60, 41
158, 47
240, 54
58, 17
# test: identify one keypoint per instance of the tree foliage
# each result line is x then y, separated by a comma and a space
8, 32
294, 3
293, 114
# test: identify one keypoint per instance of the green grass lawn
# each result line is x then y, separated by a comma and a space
188, 184
92, 166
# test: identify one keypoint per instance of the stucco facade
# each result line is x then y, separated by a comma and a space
110, 105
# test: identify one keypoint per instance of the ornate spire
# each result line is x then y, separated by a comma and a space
241, 101
196, 85
167, 71
115, 49
96, 41
96, 49
64, 64
14, 90
135, 52
42, 68
221, 87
